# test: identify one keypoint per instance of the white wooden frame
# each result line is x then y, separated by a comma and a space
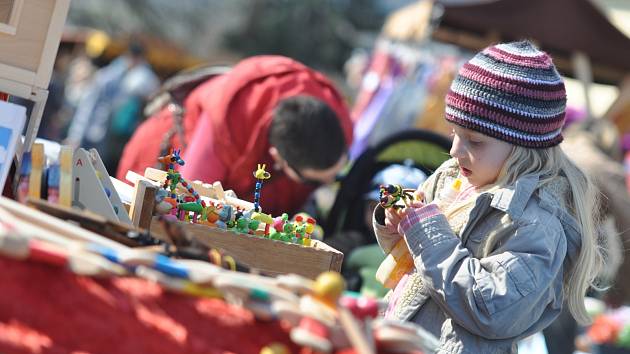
41, 77
32, 84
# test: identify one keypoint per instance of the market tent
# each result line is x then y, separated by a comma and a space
560, 27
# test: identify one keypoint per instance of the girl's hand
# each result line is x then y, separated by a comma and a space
393, 217
418, 199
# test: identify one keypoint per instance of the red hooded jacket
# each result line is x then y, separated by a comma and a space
226, 123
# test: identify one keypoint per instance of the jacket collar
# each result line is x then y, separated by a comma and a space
513, 199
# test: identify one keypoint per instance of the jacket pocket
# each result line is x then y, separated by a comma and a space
510, 281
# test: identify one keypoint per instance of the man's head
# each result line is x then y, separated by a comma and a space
307, 140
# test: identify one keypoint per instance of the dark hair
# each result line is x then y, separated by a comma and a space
307, 133
136, 48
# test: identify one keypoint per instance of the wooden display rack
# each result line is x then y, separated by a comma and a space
271, 257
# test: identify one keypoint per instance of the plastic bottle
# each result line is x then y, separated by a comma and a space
399, 261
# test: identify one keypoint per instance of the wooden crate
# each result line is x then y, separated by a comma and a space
269, 256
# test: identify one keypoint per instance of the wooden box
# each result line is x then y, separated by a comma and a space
270, 257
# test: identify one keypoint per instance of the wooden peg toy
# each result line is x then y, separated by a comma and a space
38, 159
65, 176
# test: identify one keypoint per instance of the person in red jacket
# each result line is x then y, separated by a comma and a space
266, 110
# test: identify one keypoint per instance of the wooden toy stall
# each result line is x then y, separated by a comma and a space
70, 225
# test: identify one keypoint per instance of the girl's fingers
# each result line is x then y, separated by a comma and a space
416, 205
392, 216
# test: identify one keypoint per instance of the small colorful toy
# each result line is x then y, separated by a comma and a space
174, 178
220, 213
260, 175
306, 227
168, 161
391, 194
265, 219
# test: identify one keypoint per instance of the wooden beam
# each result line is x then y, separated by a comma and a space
474, 42
584, 73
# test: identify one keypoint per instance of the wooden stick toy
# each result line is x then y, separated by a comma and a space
38, 159
260, 175
65, 176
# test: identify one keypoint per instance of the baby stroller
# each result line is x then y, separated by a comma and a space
346, 228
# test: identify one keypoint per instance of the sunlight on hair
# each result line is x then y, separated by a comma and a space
581, 202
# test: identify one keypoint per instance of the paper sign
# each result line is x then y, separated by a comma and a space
12, 119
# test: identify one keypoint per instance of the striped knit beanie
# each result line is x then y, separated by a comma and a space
511, 92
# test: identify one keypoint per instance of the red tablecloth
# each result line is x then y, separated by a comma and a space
44, 309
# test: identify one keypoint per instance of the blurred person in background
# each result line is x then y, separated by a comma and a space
73, 73
109, 110
54, 119
268, 110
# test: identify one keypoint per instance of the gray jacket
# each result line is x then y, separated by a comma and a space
478, 304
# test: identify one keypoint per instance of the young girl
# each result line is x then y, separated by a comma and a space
518, 242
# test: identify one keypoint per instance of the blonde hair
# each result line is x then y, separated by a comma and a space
581, 202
